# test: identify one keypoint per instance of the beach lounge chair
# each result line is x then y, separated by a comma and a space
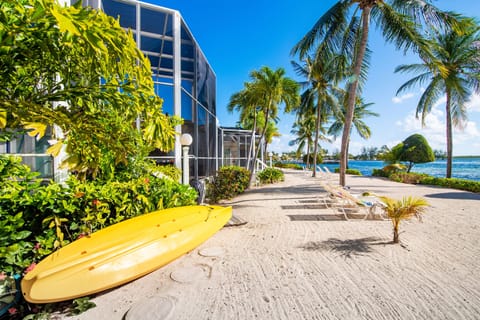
328, 175
350, 205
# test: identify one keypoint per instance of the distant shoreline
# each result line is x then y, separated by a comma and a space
464, 167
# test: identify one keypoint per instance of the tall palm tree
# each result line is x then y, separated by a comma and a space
397, 20
262, 96
453, 71
360, 112
270, 133
304, 129
247, 105
322, 73
270, 89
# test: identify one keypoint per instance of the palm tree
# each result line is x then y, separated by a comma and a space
270, 133
453, 71
361, 111
246, 104
262, 97
397, 20
323, 74
270, 89
304, 129
398, 210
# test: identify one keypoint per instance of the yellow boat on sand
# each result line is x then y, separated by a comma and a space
121, 253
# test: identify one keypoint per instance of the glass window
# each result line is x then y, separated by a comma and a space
125, 11
166, 93
187, 51
156, 22
206, 82
150, 44
187, 85
187, 69
167, 47
185, 34
187, 107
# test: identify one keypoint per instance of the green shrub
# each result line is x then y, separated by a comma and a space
227, 183
170, 171
461, 184
295, 166
270, 175
37, 219
407, 177
310, 158
422, 178
380, 173
354, 172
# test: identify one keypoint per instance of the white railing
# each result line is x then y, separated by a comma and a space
260, 165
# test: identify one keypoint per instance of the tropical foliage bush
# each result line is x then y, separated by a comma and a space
414, 149
380, 173
422, 178
354, 172
270, 175
461, 184
407, 177
54, 54
228, 182
310, 158
295, 166
36, 219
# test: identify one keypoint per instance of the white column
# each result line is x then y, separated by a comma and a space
177, 82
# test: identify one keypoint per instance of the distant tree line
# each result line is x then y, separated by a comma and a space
375, 153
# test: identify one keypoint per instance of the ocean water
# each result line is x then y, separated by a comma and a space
462, 168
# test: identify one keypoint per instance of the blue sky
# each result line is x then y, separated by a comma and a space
240, 36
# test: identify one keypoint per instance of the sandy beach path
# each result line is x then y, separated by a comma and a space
295, 259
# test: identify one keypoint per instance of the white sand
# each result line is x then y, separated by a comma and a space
285, 263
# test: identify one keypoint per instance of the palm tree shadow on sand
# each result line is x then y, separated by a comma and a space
347, 248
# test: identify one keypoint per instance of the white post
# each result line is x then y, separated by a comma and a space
185, 166
186, 140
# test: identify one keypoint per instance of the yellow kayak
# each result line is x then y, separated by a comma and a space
121, 253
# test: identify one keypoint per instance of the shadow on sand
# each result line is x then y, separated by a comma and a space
347, 248
463, 195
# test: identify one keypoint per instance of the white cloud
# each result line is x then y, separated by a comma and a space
474, 104
465, 141
402, 98
280, 144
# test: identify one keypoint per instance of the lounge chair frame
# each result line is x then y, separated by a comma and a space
346, 204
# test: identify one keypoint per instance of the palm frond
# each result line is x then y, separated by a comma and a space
405, 208
419, 80
430, 96
326, 28
424, 12
398, 28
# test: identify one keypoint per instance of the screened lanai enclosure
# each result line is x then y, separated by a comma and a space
182, 75
185, 81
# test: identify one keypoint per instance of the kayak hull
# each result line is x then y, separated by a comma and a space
121, 253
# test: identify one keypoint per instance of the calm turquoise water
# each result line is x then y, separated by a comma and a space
463, 168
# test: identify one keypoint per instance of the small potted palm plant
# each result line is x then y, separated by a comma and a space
404, 209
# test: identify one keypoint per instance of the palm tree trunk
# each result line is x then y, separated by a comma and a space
308, 155
264, 130
449, 136
252, 144
315, 147
395, 232
352, 93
